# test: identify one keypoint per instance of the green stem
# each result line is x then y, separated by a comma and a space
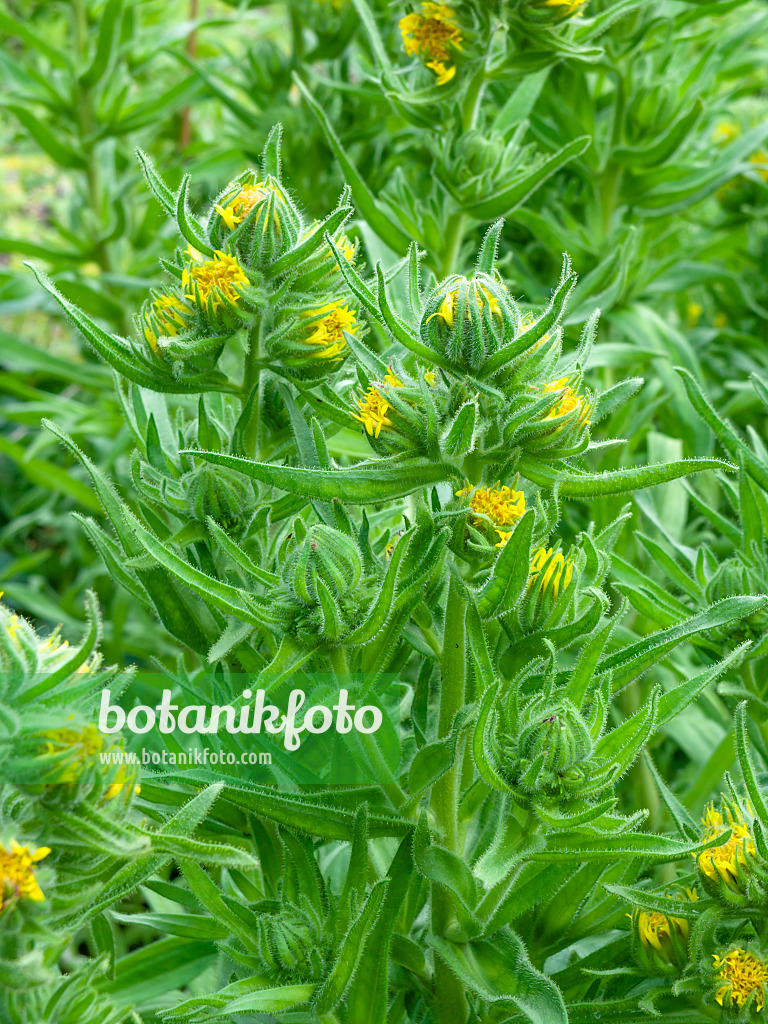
450, 1006
454, 240
251, 381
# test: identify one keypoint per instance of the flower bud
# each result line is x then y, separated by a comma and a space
215, 288
467, 320
223, 494
328, 556
549, 755
17, 873
659, 942
548, 12
494, 511
257, 220
550, 581
314, 341
733, 872
553, 416
166, 316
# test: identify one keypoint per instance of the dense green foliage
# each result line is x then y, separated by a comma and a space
298, 388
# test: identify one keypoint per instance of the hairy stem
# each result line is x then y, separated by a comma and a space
449, 1002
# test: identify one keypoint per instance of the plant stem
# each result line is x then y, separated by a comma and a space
449, 1001
454, 239
251, 380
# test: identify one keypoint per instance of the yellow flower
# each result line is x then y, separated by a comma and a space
721, 320
743, 974
347, 248
171, 312
374, 407
568, 402
722, 863
693, 313
84, 744
327, 329
16, 870
215, 280
503, 505
559, 570
429, 377
656, 930
431, 35
239, 205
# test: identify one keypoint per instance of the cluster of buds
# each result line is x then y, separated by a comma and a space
324, 587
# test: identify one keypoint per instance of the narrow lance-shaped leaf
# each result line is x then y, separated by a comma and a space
363, 484
615, 481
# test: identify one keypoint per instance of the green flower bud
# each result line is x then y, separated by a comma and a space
224, 495
257, 220
659, 942
326, 557
313, 343
467, 320
552, 749
733, 872
550, 591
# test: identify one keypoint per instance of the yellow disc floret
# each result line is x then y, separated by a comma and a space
17, 871
502, 505
743, 973
234, 208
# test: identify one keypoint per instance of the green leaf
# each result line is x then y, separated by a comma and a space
396, 239
363, 484
615, 481
630, 662
499, 970
502, 203
158, 187
510, 572
188, 226
268, 1000
567, 847
756, 792
661, 904
50, 143
106, 43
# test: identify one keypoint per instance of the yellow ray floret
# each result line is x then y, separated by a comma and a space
215, 280
17, 870
447, 310
743, 974
569, 401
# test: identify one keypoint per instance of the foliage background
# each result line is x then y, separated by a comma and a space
662, 211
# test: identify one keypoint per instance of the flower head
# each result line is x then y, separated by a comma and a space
17, 871
569, 400
164, 317
744, 976
215, 281
432, 35
502, 505
236, 205
725, 863
656, 930
567, 7
374, 408
327, 329
83, 745
551, 569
